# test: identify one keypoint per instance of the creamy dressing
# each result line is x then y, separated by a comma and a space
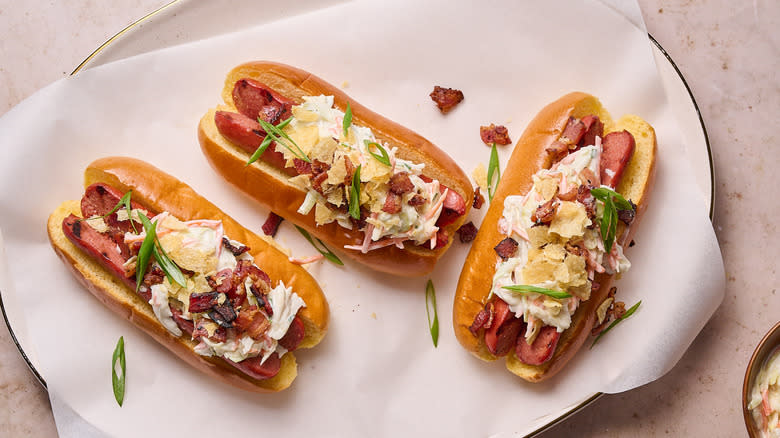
764, 402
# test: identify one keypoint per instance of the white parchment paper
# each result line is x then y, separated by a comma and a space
377, 372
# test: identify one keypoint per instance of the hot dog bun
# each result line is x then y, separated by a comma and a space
159, 191
528, 157
268, 185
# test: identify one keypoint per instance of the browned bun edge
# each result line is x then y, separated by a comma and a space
269, 186
159, 191
527, 158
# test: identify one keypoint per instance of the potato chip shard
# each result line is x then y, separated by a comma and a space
547, 186
306, 137
479, 174
338, 171
190, 258
323, 214
601, 311
554, 252
570, 220
539, 270
303, 115
324, 150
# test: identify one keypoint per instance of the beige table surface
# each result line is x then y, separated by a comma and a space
729, 52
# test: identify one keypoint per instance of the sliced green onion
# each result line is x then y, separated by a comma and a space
266, 142
430, 303
146, 250
354, 195
628, 313
277, 133
151, 246
493, 168
168, 266
612, 201
524, 289
384, 158
118, 381
325, 252
347, 122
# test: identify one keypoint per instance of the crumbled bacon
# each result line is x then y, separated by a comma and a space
479, 200
201, 302
570, 195
392, 203
467, 232
558, 150
219, 335
573, 132
400, 183
318, 166
416, 200
302, 167
585, 197
494, 134
545, 212
251, 321
350, 168
446, 98
223, 314
593, 128
573, 249
484, 319
153, 276
506, 248
237, 250
271, 224
317, 180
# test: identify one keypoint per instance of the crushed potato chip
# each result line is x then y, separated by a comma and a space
547, 186
554, 252
98, 224
538, 271
323, 214
306, 137
338, 171
324, 150
570, 220
601, 311
192, 259
172, 223
304, 115
479, 174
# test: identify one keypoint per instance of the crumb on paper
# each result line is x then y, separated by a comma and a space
373, 315
345, 84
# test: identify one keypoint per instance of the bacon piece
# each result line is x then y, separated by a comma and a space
545, 212
573, 249
201, 302
392, 203
223, 314
252, 322
506, 248
484, 319
401, 184
237, 250
541, 350
271, 225
494, 134
557, 150
302, 167
317, 180
446, 98
617, 149
416, 200
570, 195
350, 168
153, 275
593, 128
479, 200
222, 281
467, 232
184, 324
586, 198
573, 132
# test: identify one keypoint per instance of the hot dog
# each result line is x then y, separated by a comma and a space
412, 196
238, 309
543, 230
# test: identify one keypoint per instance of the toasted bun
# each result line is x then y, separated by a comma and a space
269, 186
158, 191
528, 157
